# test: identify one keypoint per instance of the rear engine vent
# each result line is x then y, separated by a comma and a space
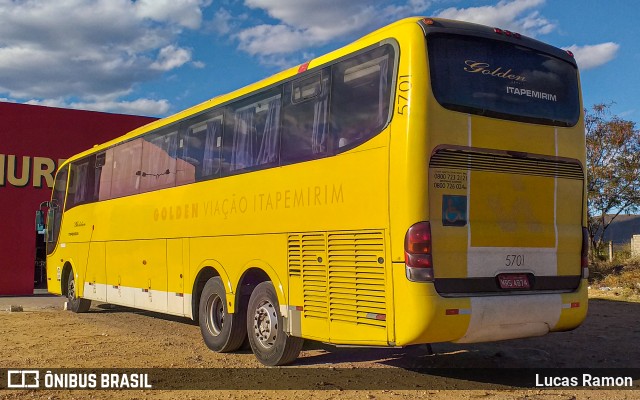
506, 162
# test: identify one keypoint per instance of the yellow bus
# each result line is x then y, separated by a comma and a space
423, 184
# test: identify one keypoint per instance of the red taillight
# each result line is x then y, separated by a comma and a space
584, 256
418, 260
507, 33
417, 253
418, 239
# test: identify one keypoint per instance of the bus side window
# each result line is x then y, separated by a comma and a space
305, 124
100, 160
80, 183
126, 172
104, 163
199, 149
158, 170
360, 96
85, 180
252, 133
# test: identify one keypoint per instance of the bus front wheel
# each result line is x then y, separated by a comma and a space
270, 344
74, 303
221, 331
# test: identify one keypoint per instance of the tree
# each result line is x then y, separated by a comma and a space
613, 170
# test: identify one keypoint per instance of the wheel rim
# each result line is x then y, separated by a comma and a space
265, 326
215, 312
71, 289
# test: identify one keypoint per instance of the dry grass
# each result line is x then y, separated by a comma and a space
621, 277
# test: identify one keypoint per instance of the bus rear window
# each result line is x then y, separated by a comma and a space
502, 80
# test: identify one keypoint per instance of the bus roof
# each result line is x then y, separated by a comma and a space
364, 41
436, 24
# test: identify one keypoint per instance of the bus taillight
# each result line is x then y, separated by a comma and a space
507, 33
428, 21
417, 253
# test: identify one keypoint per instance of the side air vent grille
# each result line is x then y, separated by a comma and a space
357, 277
306, 259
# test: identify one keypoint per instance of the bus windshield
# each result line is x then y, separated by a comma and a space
502, 80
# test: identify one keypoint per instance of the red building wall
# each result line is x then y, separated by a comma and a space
33, 139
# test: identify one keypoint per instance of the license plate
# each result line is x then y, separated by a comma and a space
514, 281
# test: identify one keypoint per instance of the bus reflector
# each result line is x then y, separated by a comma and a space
417, 253
575, 305
379, 317
452, 311
303, 67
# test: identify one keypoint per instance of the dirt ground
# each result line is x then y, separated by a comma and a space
45, 336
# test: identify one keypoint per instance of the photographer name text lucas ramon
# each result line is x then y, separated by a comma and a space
584, 380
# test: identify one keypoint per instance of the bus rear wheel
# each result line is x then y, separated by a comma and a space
222, 332
74, 303
268, 340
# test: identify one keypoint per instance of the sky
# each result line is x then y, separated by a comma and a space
157, 57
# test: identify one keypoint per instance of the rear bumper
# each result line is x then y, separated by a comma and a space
423, 316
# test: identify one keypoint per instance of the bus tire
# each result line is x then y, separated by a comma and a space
221, 331
74, 303
270, 344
